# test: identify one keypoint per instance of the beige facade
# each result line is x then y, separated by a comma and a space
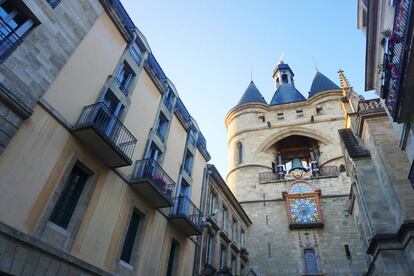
107, 172
223, 243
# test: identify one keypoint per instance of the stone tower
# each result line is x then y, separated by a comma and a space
286, 169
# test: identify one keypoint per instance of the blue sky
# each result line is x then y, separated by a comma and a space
207, 48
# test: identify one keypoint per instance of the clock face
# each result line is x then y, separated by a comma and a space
303, 210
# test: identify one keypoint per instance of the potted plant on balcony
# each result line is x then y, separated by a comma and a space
160, 182
224, 271
209, 269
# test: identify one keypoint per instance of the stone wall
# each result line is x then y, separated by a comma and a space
21, 254
27, 73
277, 250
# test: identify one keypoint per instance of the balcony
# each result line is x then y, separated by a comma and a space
398, 67
105, 135
324, 172
153, 183
185, 216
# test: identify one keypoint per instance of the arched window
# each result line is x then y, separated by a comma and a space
311, 262
239, 153
285, 78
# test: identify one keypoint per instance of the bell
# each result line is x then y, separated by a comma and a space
297, 164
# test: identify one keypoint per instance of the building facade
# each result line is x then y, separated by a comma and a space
388, 27
101, 164
224, 238
382, 197
287, 170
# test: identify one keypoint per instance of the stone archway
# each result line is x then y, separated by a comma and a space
272, 139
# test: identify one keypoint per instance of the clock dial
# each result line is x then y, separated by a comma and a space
303, 210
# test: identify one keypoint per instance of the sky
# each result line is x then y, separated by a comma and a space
210, 50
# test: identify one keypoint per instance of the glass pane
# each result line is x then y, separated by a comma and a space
69, 198
130, 238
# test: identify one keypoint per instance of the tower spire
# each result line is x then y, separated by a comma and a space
344, 81
314, 64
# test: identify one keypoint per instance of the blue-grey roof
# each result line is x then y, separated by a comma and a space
281, 66
252, 95
287, 93
321, 83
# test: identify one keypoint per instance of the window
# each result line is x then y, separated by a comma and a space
136, 53
224, 218
168, 99
124, 77
233, 265
285, 78
210, 240
188, 162
222, 256
319, 110
242, 238
234, 230
162, 126
172, 259
213, 202
66, 204
53, 3
262, 118
242, 266
154, 152
280, 116
311, 264
130, 238
191, 137
299, 114
14, 23
347, 252
411, 175
239, 153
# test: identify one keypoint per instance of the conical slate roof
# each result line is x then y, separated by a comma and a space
252, 95
287, 93
321, 83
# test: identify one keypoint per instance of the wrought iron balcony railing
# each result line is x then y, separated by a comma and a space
324, 172
9, 40
149, 169
397, 49
101, 119
183, 207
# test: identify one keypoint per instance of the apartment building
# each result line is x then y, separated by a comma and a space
101, 163
224, 236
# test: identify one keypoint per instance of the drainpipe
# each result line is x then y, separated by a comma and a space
197, 255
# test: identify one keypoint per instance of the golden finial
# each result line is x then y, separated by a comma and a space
344, 81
